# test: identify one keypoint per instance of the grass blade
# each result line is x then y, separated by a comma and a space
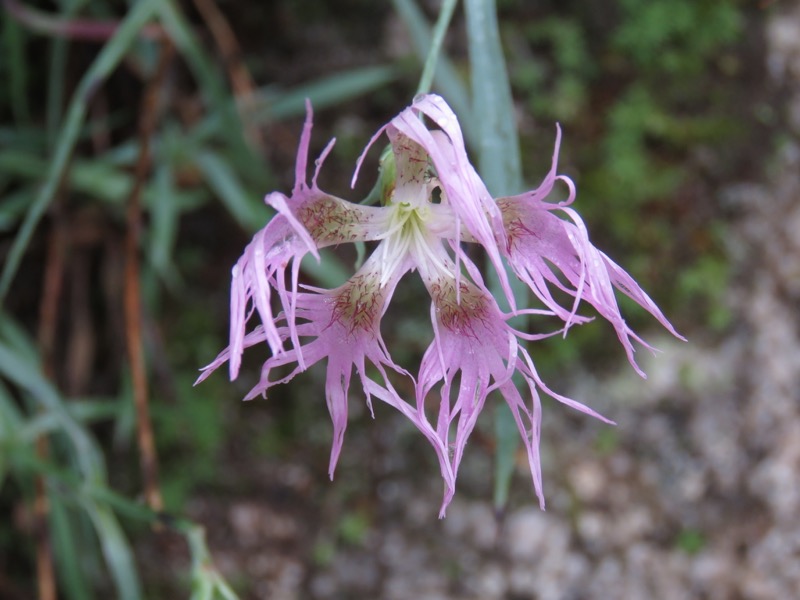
11, 419
500, 167
249, 213
164, 208
26, 375
275, 105
498, 142
67, 551
105, 63
215, 91
95, 178
116, 550
13, 44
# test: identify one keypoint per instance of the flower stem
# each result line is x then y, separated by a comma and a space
442, 23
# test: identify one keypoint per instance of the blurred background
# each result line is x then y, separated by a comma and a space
137, 140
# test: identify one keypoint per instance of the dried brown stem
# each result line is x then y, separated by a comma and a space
133, 308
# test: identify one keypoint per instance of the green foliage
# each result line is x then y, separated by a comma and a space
500, 167
638, 91
198, 163
79, 457
607, 441
568, 75
353, 528
628, 94
190, 434
675, 37
690, 541
704, 286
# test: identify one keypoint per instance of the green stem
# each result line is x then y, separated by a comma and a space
426, 80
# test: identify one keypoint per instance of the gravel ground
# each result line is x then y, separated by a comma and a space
694, 494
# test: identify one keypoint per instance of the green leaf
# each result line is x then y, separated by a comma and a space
500, 167
105, 63
506, 445
13, 48
206, 581
25, 373
116, 550
498, 145
49, 422
67, 550
57, 74
164, 207
223, 120
13, 207
95, 178
248, 212
335, 89
17, 339
11, 419
329, 271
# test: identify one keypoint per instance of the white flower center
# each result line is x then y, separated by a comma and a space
409, 231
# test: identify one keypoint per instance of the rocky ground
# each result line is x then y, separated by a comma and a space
694, 494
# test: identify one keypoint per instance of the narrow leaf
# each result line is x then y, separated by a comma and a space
116, 550
67, 545
500, 167
106, 61
247, 211
498, 146
328, 91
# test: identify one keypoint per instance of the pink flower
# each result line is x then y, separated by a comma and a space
537, 240
433, 204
